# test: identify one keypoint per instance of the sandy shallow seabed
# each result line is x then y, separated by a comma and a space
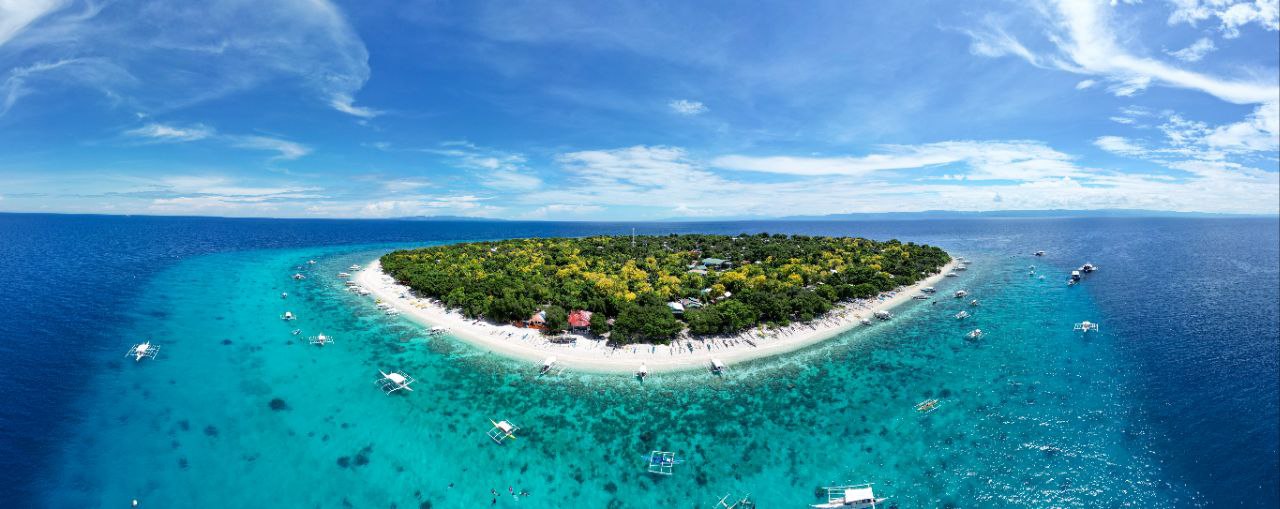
594, 355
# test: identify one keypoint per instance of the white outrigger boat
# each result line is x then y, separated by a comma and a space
1086, 326
717, 367
953, 274
742, 503
299, 276
284, 295
344, 275
973, 302
662, 462
353, 267
858, 496
962, 315
928, 289
642, 372
883, 315
928, 406
288, 316
502, 430
320, 340
311, 262
438, 330
1039, 253
974, 334
394, 381
960, 294
143, 350
547, 365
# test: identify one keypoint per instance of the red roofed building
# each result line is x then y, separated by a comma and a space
580, 319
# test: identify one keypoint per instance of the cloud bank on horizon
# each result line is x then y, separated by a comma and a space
541, 110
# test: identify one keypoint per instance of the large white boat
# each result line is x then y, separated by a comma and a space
960, 294
850, 497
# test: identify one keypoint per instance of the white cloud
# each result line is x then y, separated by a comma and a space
1119, 145
168, 132
1083, 84
1086, 45
687, 107
286, 150
1231, 14
1196, 51
495, 169
188, 52
560, 210
985, 159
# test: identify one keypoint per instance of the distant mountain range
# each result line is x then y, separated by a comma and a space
446, 218
897, 216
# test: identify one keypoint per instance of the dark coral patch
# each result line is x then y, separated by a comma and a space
278, 404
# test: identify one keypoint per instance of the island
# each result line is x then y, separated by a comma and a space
610, 303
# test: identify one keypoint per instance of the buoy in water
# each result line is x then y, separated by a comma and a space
135, 502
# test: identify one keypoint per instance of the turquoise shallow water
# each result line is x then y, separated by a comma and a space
1033, 414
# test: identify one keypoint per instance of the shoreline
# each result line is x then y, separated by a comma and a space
593, 355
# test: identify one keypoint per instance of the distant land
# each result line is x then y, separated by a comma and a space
987, 214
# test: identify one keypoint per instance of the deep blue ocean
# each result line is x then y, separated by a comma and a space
1176, 403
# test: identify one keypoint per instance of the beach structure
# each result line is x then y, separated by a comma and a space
858, 496
502, 430
299, 276
717, 367
928, 406
320, 340
883, 315
676, 307
962, 315
394, 381
580, 320
143, 350
960, 294
547, 365
1086, 326
288, 316
662, 462
974, 334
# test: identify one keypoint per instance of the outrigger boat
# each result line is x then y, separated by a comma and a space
974, 334
547, 364
344, 275
1086, 326
642, 372
1087, 268
928, 406
295, 332
952, 274
865, 321
742, 503
928, 289
288, 316
973, 302
311, 262
883, 315
394, 381
717, 367
850, 497
299, 277
320, 340
284, 295
1039, 253
960, 294
962, 315
502, 430
438, 330
353, 267
662, 462
143, 349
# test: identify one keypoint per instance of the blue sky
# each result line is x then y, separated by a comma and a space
646, 110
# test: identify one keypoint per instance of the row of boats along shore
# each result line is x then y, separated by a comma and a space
659, 462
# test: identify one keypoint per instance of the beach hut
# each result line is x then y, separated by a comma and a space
537, 321
580, 320
715, 263
676, 307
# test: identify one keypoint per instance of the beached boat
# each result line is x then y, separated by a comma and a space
320, 340
865, 321
960, 294
962, 315
547, 365
143, 350
502, 430
920, 297
850, 497
344, 275
717, 367
1085, 326
288, 316
974, 334
928, 289
642, 372
952, 274
661, 462
438, 330
883, 315
394, 381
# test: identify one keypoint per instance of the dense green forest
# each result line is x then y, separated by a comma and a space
724, 284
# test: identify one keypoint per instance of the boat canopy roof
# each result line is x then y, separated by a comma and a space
858, 494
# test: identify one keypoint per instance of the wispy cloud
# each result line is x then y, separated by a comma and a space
167, 132
188, 53
986, 160
687, 107
285, 149
155, 132
1196, 51
1231, 14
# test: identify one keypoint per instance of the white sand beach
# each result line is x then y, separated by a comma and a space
594, 355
